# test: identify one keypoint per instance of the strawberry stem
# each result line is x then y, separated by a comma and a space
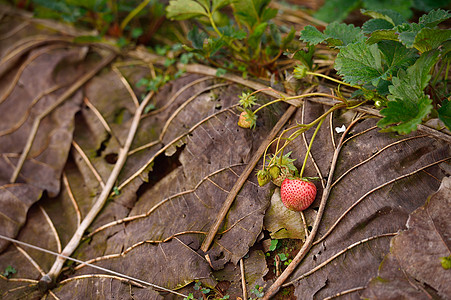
310, 145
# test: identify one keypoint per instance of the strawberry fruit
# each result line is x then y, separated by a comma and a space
297, 194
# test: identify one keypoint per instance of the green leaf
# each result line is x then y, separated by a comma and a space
275, 34
359, 63
433, 18
185, 9
288, 38
218, 4
446, 262
396, 56
380, 35
197, 37
336, 34
305, 56
336, 10
283, 256
444, 113
312, 35
408, 104
340, 34
408, 114
407, 33
255, 38
429, 38
376, 24
273, 245
388, 15
253, 12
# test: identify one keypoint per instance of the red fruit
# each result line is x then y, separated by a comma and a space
297, 194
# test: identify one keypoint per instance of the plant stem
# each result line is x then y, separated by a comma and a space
310, 146
133, 13
332, 79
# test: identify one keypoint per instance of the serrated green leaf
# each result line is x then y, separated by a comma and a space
435, 17
396, 56
431, 38
312, 35
253, 12
388, 15
336, 10
408, 114
305, 56
218, 4
336, 34
380, 35
184, 9
360, 63
340, 34
408, 104
444, 113
376, 24
407, 33
197, 37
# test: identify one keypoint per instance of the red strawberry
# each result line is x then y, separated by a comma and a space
297, 194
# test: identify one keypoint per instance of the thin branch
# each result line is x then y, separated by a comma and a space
242, 179
101, 119
80, 82
101, 200
127, 85
353, 290
72, 199
30, 259
88, 163
309, 240
243, 279
52, 228
92, 266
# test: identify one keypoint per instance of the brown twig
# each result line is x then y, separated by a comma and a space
98, 205
243, 279
242, 179
308, 242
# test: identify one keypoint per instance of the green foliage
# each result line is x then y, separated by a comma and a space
107, 17
257, 291
338, 10
394, 62
445, 262
9, 271
273, 245
249, 42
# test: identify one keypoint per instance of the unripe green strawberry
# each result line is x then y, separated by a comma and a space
263, 177
246, 120
284, 173
297, 194
274, 171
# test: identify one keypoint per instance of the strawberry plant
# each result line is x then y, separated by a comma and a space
403, 67
248, 42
